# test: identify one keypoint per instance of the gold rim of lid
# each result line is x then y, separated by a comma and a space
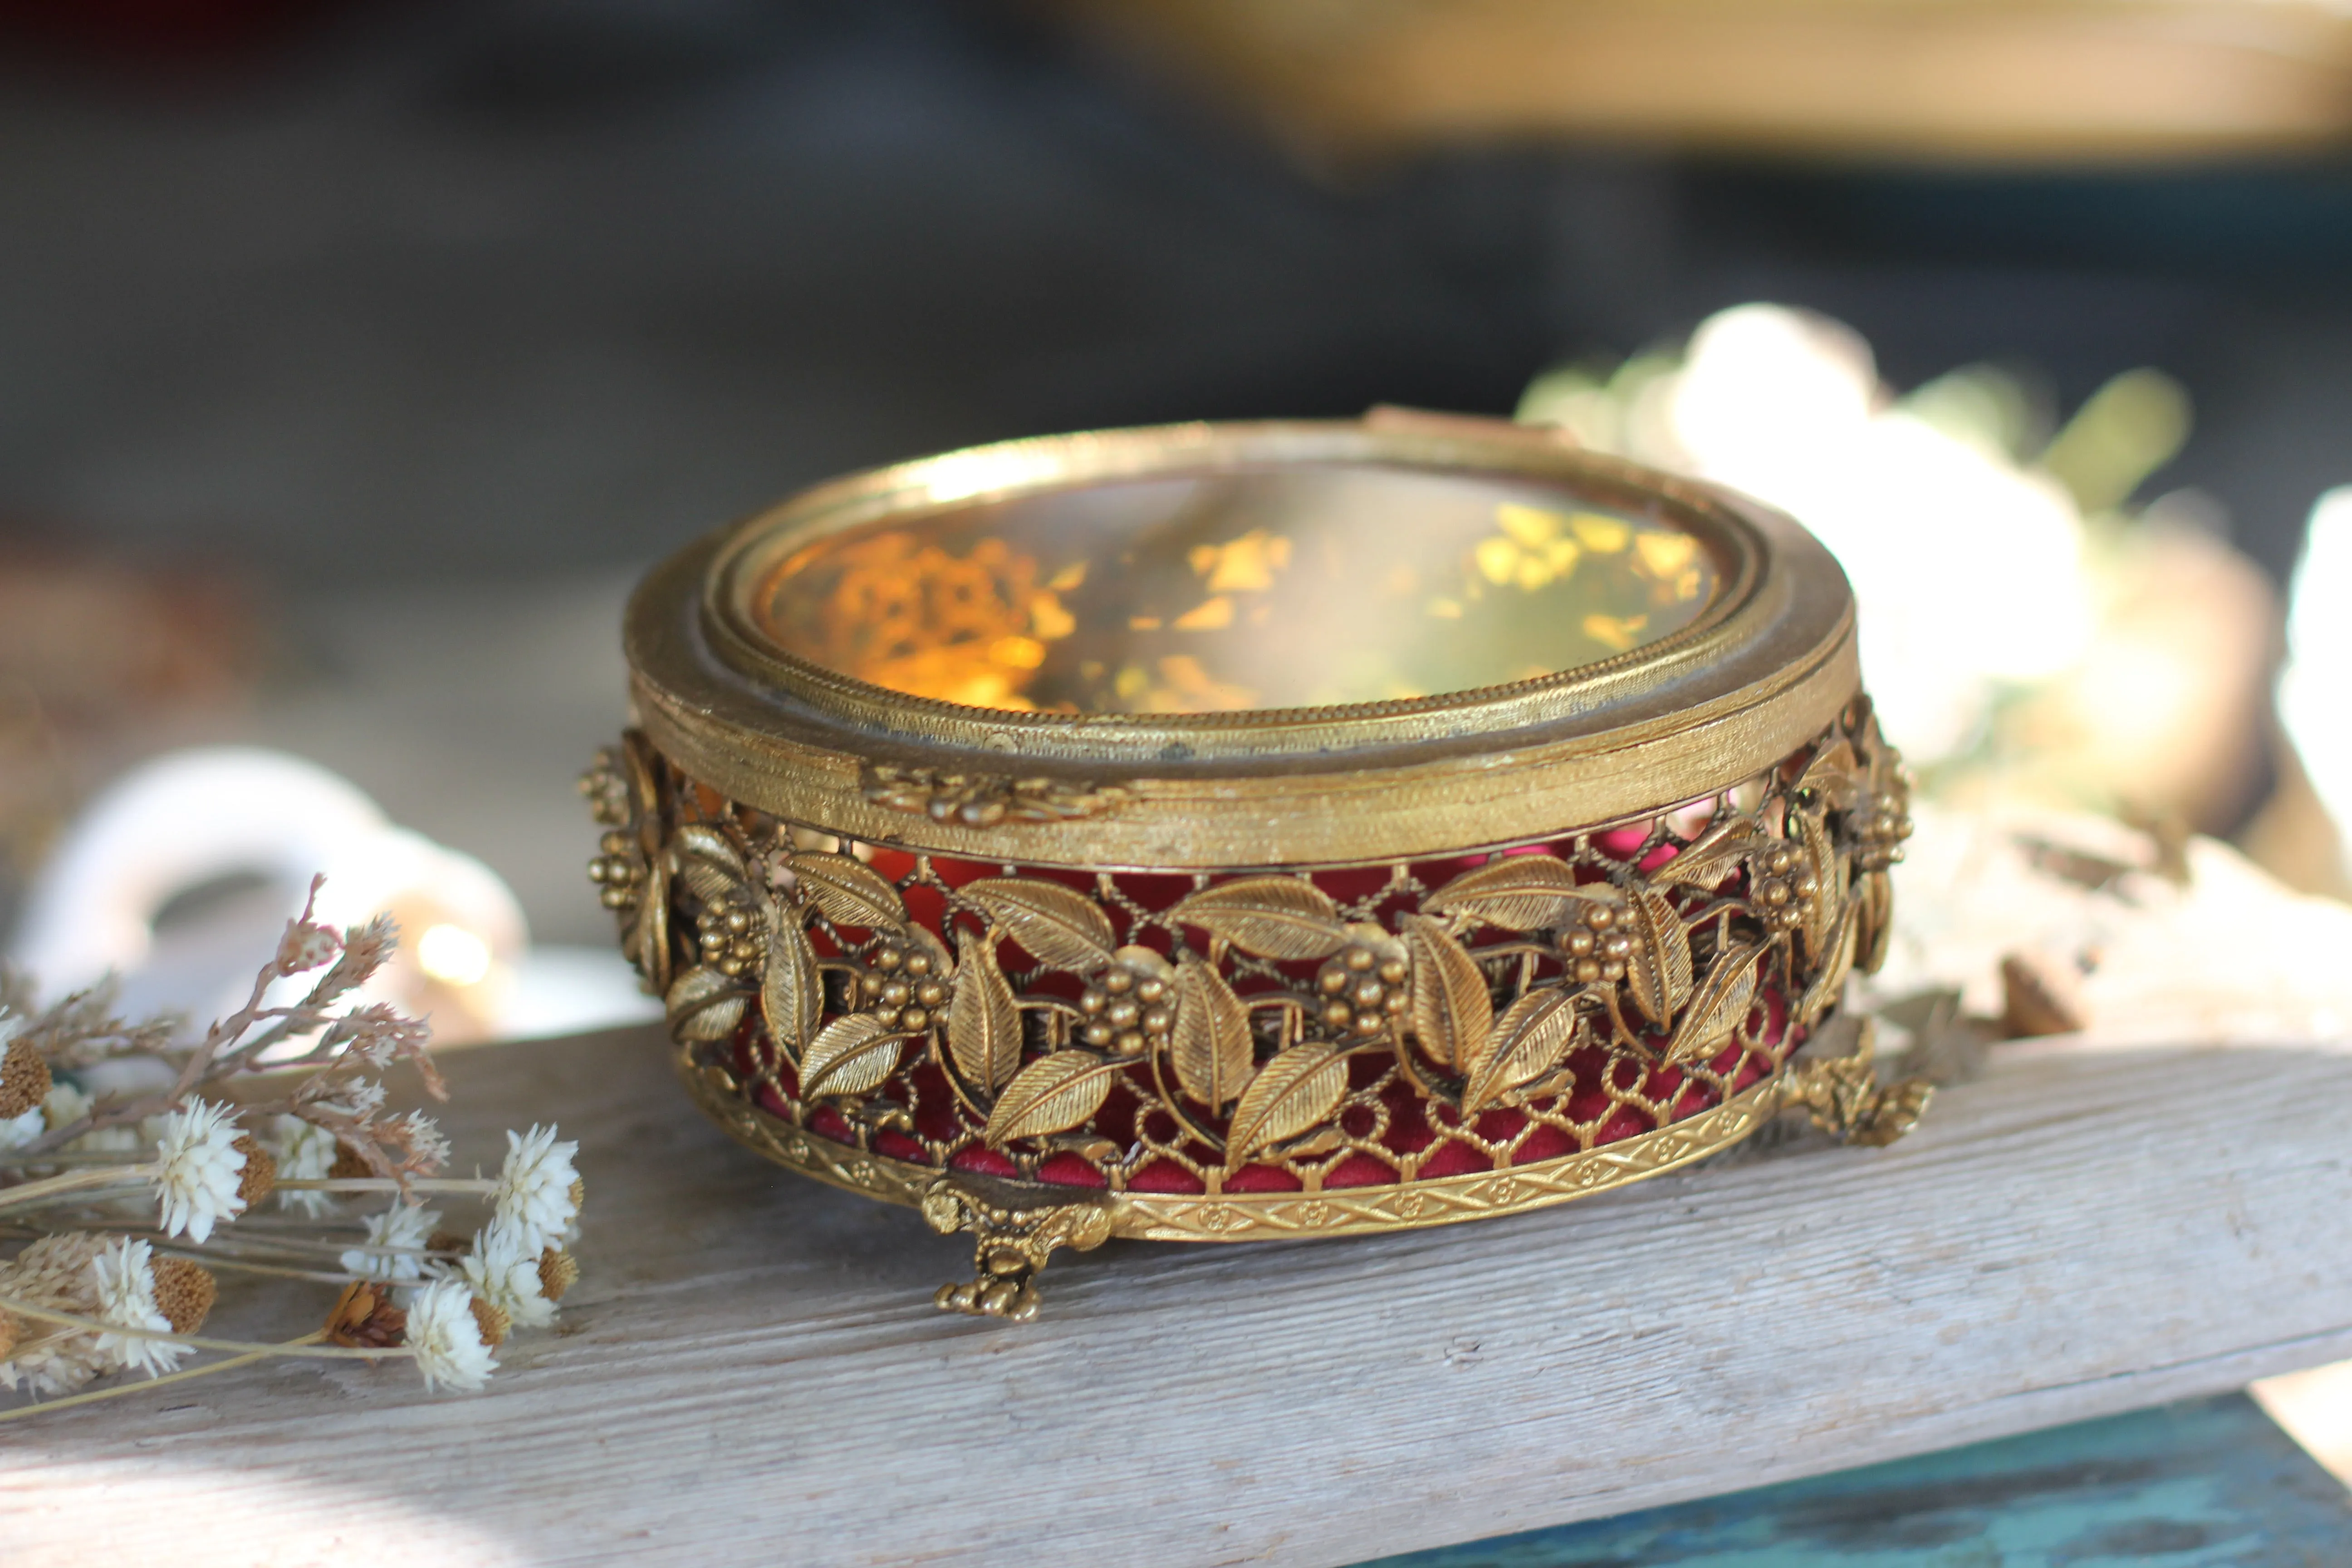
1765, 665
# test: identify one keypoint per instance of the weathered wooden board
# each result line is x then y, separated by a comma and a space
2201, 1484
753, 1370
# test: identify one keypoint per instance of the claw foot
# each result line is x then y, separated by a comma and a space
1010, 1244
1843, 1095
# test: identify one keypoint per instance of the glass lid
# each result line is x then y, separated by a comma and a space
1291, 587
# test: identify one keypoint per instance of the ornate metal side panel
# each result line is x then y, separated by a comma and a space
1050, 1056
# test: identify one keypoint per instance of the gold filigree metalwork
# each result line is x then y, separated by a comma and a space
1014, 1233
1843, 1095
1325, 970
983, 800
1624, 998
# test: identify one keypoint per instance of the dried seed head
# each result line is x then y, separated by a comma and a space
363, 1318
348, 1166
493, 1320
185, 1293
259, 1177
557, 1272
24, 1080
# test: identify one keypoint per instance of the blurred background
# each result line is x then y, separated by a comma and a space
354, 357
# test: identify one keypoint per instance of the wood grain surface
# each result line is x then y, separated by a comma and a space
751, 1369
2204, 1483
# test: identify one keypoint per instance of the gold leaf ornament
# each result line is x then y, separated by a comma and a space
1519, 892
1818, 854
1874, 898
646, 940
1297, 1091
1829, 985
791, 991
846, 891
1834, 776
1212, 1049
703, 1005
1052, 1094
1534, 1035
1658, 969
852, 1055
1719, 1007
1273, 917
1714, 854
983, 1022
708, 864
1453, 1010
1059, 924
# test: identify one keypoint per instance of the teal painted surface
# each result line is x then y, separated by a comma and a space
2212, 1483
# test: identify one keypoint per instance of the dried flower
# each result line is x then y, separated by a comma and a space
363, 1318
557, 1272
125, 1271
54, 1273
199, 1167
18, 1130
322, 1127
503, 1269
491, 1320
67, 1105
446, 1338
538, 1190
306, 945
365, 949
185, 1293
415, 1140
394, 1237
24, 1074
360, 1101
305, 1152
259, 1177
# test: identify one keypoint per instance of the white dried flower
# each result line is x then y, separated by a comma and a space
403, 1226
445, 1337
535, 1191
67, 1105
18, 1130
428, 1149
197, 1164
125, 1275
503, 1270
361, 1100
54, 1273
305, 1152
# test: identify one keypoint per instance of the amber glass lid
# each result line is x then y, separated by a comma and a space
1208, 620
1320, 584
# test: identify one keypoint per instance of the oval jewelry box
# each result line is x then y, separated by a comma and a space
1209, 833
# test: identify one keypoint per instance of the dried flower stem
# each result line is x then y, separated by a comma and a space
61, 1157
74, 1181
308, 1348
214, 1260
231, 1245
228, 1363
481, 1185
